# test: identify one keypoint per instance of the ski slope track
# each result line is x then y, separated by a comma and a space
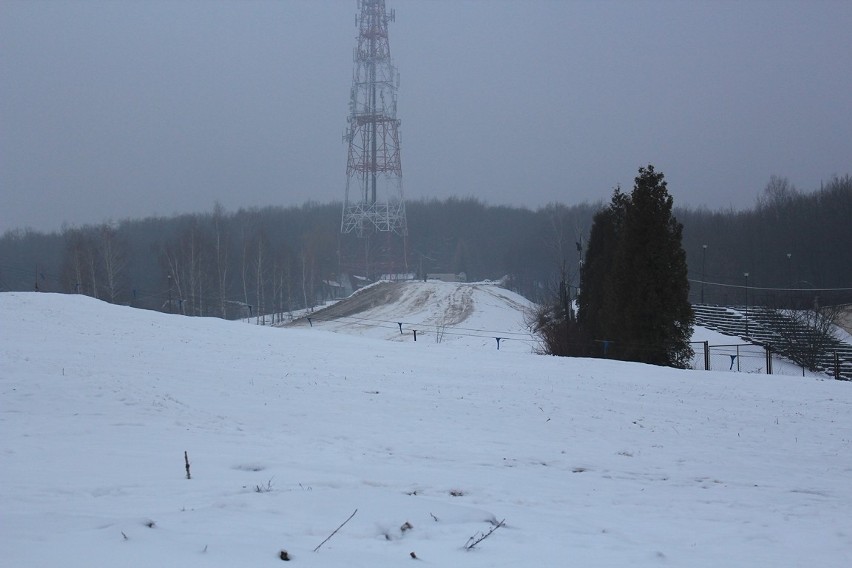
472, 315
291, 430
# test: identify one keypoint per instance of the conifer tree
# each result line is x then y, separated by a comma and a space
634, 286
596, 302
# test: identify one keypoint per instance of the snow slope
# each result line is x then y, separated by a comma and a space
590, 463
472, 315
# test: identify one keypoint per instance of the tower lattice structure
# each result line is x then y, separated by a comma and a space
374, 200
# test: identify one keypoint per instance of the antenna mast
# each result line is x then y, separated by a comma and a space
374, 199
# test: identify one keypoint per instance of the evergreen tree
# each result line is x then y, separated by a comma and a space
651, 275
597, 299
634, 286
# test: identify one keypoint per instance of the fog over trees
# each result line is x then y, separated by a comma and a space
795, 246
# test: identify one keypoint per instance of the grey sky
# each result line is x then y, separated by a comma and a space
111, 110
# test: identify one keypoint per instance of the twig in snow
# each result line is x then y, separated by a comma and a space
473, 541
186, 459
335, 530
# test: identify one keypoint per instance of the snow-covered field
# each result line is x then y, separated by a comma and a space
590, 463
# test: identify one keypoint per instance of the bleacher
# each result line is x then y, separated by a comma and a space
768, 328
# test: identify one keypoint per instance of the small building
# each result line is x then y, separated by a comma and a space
447, 276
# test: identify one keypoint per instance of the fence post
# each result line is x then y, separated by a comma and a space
706, 356
836, 366
768, 359
738, 358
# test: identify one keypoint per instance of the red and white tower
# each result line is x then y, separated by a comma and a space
374, 200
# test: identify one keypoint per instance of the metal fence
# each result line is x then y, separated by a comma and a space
751, 358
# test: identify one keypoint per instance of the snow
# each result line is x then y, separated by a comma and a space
470, 315
288, 431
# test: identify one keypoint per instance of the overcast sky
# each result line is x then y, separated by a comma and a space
122, 109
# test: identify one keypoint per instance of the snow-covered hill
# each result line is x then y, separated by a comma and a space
590, 463
474, 315
471, 315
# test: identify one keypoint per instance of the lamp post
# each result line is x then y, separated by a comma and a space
746, 303
703, 262
790, 279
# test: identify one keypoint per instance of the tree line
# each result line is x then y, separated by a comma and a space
794, 245
276, 259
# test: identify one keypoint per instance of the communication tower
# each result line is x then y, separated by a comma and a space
374, 201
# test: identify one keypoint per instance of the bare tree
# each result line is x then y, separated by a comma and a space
317, 254
307, 276
72, 263
113, 261
777, 193
806, 335
244, 263
171, 259
282, 281
560, 234
185, 261
92, 265
260, 253
194, 262
80, 266
220, 254
554, 321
